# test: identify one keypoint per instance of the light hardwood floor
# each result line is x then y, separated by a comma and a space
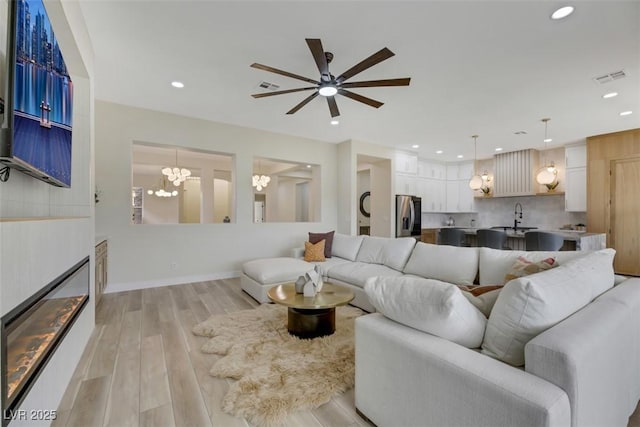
143, 366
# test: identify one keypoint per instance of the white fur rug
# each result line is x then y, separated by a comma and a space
278, 373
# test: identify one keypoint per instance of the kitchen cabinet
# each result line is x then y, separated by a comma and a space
459, 197
575, 196
406, 163
406, 184
432, 192
430, 169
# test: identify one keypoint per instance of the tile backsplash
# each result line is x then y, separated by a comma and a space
545, 212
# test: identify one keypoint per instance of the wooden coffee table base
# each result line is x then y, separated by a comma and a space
311, 323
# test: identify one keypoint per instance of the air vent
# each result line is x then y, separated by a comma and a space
268, 86
520, 132
606, 78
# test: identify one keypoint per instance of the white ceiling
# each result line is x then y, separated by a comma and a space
476, 67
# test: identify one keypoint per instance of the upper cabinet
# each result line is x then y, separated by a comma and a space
575, 196
406, 162
430, 169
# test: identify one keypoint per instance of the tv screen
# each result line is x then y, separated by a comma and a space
40, 97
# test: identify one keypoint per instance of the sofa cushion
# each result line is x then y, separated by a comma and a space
328, 263
495, 263
328, 241
357, 273
450, 264
275, 270
428, 305
523, 267
346, 247
530, 305
314, 251
393, 253
482, 297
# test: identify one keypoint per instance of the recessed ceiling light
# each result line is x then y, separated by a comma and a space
547, 140
626, 113
177, 84
415, 146
460, 156
563, 12
439, 152
498, 148
610, 95
335, 122
308, 166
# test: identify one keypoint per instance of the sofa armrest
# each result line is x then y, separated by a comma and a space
405, 377
297, 253
593, 356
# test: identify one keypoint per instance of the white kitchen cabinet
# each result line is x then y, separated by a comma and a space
465, 170
406, 163
406, 184
453, 192
431, 169
575, 193
575, 156
465, 197
432, 192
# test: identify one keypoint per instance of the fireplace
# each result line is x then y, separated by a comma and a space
32, 331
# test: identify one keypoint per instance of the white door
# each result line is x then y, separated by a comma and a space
258, 211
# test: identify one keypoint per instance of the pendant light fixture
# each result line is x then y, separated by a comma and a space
176, 175
475, 183
548, 173
162, 191
260, 181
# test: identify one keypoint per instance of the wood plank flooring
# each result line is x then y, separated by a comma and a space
143, 366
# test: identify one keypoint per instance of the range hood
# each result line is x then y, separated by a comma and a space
514, 173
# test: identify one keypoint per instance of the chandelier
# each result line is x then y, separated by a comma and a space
176, 175
162, 192
260, 181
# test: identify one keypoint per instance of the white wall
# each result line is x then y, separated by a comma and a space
200, 251
45, 230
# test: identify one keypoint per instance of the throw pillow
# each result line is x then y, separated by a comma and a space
314, 252
328, 241
482, 297
429, 305
523, 267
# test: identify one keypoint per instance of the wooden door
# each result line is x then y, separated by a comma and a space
624, 230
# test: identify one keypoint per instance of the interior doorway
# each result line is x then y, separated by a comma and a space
373, 196
259, 205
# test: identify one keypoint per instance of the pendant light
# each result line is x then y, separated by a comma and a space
475, 183
260, 181
548, 173
176, 175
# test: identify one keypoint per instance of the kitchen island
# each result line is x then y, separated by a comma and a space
573, 240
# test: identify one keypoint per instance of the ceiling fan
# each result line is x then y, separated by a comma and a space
328, 85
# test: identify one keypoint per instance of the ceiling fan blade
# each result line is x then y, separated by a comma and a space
374, 59
356, 97
374, 83
303, 103
283, 73
333, 106
315, 46
281, 92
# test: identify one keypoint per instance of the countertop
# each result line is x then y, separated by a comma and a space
572, 235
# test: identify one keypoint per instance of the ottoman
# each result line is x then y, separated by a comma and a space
259, 275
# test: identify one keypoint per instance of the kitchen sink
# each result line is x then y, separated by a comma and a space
510, 227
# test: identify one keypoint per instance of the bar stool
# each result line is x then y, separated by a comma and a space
452, 237
495, 239
542, 241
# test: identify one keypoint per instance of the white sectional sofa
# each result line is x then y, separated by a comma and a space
573, 358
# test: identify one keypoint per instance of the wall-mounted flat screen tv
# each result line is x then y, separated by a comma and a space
37, 128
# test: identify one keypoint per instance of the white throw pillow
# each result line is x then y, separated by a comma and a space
345, 246
428, 305
530, 305
450, 264
391, 252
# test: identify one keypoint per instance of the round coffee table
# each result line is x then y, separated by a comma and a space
311, 317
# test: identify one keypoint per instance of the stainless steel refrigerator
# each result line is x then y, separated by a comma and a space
408, 216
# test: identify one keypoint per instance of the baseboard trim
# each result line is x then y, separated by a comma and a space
146, 284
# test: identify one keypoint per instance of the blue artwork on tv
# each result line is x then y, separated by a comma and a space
43, 95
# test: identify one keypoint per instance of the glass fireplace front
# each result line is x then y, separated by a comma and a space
32, 331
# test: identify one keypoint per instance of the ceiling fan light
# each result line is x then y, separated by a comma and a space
328, 90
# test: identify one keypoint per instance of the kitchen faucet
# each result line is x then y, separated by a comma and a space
517, 215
